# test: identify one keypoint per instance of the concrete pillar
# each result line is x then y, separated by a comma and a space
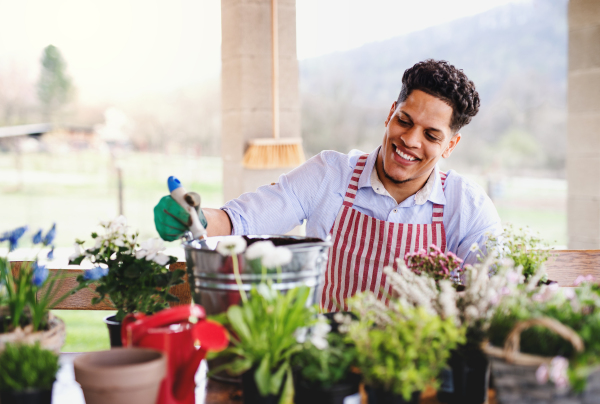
583, 146
246, 86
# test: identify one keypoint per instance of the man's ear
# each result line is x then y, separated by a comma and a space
453, 142
392, 110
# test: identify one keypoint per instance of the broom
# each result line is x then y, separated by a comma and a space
274, 152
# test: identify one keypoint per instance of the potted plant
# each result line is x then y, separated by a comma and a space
134, 277
523, 247
401, 349
28, 292
548, 334
324, 367
264, 340
27, 373
466, 378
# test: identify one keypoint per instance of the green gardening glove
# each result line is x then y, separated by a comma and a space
171, 220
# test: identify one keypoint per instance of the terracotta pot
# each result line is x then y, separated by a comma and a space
121, 375
52, 339
114, 331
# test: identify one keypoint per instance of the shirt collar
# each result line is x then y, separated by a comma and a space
432, 190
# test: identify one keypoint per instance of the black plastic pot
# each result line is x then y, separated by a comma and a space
466, 379
380, 396
26, 397
114, 331
313, 394
251, 394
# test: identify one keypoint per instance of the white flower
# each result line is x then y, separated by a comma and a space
150, 249
471, 312
300, 334
474, 247
259, 249
231, 245
266, 291
161, 259
277, 257
76, 252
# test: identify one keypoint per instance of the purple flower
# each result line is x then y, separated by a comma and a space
37, 238
40, 273
50, 255
95, 273
13, 237
49, 237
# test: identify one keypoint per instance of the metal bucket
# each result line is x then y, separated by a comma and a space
212, 281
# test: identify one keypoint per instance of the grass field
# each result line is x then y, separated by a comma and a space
77, 190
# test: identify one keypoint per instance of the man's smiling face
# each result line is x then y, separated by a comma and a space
417, 134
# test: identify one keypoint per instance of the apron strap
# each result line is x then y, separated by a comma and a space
353, 185
438, 210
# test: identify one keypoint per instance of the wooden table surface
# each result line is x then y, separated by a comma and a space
67, 390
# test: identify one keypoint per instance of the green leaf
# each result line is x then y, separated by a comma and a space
262, 376
287, 396
277, 378
237, 321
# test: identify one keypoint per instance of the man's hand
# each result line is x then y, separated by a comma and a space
171, 220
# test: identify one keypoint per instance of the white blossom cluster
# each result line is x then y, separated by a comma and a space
116, 234
483, 292
476, 304
422, 291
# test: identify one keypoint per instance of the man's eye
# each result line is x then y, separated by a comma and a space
403, 123
431, 137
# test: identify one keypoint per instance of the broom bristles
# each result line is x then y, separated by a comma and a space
273, 153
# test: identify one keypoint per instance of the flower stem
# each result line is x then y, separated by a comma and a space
278, 273
238, 280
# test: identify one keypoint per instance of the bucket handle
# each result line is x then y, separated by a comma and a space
512, 345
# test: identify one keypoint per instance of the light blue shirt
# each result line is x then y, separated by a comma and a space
315, 191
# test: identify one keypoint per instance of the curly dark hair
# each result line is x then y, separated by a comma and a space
444, 81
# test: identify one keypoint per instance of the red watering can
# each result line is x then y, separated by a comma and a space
184, 334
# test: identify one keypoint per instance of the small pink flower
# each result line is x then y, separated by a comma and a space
580, 279
569, 294
541, 374
504, 291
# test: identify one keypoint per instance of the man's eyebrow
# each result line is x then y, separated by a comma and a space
430, 129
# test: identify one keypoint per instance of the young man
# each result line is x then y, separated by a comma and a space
378, 206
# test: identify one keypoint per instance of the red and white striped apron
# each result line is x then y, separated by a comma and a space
363, 246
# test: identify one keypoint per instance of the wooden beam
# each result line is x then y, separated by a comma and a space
564, 266
82, 300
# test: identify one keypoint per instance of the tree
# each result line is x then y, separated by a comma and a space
54, 87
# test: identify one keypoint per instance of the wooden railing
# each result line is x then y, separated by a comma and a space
82, 300
564, 266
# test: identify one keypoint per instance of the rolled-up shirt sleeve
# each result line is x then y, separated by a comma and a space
277, 208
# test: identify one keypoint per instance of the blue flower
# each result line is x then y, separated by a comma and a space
37, 238
13, 237
50, 255
40, 273
95, 273
49, 237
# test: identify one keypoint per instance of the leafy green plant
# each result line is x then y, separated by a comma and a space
401, 349
578, 309
134, 277
325, 366
28, 295
24, 367
521, 246
264, 337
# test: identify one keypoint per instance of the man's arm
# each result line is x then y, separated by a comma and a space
220, 224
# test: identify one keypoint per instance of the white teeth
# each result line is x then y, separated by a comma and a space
405, 156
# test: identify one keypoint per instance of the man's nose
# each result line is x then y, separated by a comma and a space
411, 138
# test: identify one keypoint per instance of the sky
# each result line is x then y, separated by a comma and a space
120, 49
